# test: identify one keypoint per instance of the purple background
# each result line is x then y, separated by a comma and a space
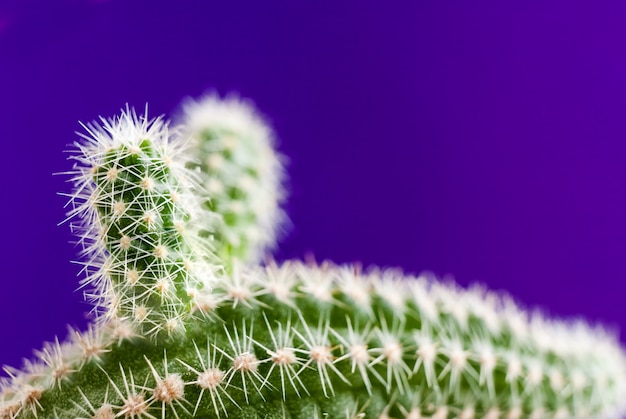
481, 141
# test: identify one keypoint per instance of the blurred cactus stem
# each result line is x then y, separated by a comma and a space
234, 149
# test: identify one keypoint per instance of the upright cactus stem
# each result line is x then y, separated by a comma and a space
138, 221
189, 326
234, 149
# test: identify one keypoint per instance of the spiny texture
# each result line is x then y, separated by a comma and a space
138, 222
180, 336
308, 341
234, 149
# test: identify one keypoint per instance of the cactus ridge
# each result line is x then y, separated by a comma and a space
189, 325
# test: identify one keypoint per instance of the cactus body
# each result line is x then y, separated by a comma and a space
180, 335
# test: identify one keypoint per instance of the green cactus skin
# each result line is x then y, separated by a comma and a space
243, 174
293, 340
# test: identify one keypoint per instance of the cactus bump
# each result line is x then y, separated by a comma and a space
187, 322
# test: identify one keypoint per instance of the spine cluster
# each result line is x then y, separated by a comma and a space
189, 326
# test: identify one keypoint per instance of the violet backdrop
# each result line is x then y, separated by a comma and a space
482, 140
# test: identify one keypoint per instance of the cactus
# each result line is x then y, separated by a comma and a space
139, 223
188, 324
241, 171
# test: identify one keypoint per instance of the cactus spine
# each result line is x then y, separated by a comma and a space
293, 340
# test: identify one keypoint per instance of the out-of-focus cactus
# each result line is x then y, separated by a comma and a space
241, 171
178, 335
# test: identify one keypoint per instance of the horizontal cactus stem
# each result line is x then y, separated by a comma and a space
257, 352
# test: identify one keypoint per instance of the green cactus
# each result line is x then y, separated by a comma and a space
225, 337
